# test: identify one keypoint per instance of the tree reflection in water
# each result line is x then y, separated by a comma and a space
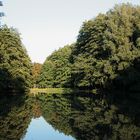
84, 116
15, 116
90, 117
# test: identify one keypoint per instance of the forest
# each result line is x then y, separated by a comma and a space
15, 64
106, 55
101, 69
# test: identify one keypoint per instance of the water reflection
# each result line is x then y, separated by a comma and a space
14, 116
87, 117
68, 117
39, 129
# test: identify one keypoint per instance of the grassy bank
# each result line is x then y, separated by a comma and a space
49, 90
35, 91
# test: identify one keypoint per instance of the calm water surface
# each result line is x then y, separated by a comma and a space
39, 129
68, 117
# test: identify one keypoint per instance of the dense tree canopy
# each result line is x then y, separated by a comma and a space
107, 51
15, 65
56, 69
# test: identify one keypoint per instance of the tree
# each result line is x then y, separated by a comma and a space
56, 69
36, 69
15, 65
107, 49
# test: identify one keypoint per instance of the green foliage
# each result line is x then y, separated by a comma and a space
15, 65
105, 55
107, 48
56, 69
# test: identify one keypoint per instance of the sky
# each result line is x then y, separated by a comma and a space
47, 25
39, 129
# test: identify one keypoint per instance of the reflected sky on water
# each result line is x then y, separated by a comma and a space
39, 129
69, 116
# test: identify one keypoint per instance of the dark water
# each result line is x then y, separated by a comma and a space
69, 117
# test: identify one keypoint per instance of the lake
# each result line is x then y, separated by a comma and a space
71, 116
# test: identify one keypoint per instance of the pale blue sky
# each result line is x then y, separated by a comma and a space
39, 129
47, 25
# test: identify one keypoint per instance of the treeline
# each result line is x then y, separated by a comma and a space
105, 55
56, 70
15, 65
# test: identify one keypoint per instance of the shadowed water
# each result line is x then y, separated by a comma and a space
71, 116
